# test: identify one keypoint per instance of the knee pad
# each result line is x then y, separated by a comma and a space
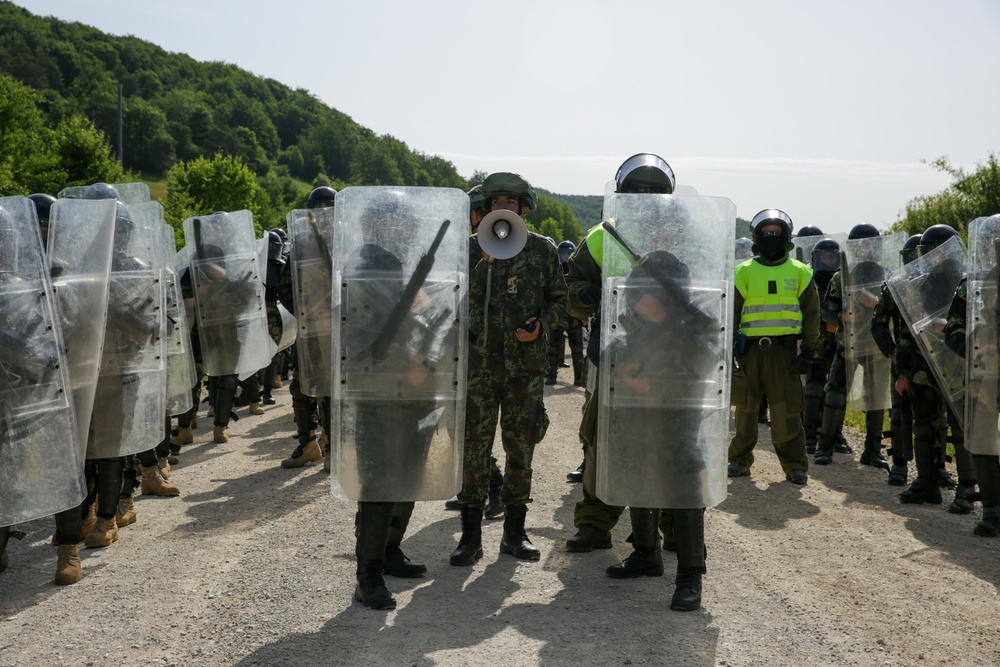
228, 382
925, 431
835, 400
813, 390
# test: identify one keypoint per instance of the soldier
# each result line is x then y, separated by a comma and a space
775, 305
398, 323
268, 376
514, 304
644, 173
887, 326
825, 263
858, 369
573, 330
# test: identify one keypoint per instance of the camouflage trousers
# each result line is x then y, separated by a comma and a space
516, 401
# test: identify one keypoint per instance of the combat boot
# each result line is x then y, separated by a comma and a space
576, 476
164, 465
396, 563
67, 565
194, 421
515, 540
126, 514
588, 538
550, 379
185, 436
105, 533
470, 545
965, 495
898, 472
256, 409
220, 434
371, 590
304, 454
687, 593
923, 490
89, 521
645, 559
990, 525
494, 508
153, 483
872, 453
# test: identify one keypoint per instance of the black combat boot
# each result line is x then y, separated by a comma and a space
833, 417
396, 563
373, 526
923, 490
898, 472
645, 559
576, 476
470, 545
588, 538
988, 472
689, 528
515, 540
494, 508
926, 488
872, 454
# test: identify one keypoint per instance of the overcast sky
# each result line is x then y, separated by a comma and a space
824, 110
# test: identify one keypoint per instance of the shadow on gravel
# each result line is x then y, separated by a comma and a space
463, 615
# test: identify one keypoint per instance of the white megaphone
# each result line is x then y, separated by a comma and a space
502, 234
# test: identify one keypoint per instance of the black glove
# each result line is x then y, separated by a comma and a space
590, 295
803, 362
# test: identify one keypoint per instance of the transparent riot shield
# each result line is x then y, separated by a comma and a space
744, 249
41, 472
131, 395
81, 234
982, 395
400, 330
180, 367
804, 245
289, 329
127, 193
310, 233
923, 291
665, 351
863, 268
229, 294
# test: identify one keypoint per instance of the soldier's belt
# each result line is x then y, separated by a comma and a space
767, 341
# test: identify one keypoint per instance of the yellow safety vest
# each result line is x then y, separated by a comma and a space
771, 297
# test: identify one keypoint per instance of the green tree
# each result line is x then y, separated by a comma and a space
970, 196
206, 185
561, 214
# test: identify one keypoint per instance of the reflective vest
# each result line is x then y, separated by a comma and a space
771, 294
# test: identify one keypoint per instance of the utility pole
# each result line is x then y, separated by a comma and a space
121, 149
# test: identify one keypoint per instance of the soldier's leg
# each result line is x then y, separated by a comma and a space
872, 454
592, 517
110, 477
481, 415
575, 336
834, 409
784, 390
396, 563
899, 450
556, 353
523, 423
966, 490
251, 390
988, 473
926, 448
494, 507
267, 376
747, 388
154, 481
645, 559
68, 527
126, 513
812, 403
689, 526
374, 522
304, 413
225, 394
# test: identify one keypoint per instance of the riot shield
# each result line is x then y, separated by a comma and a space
81, 234
400, 330
289, 328
127, 193
229, 294
180, 367
41, 472
982, 371
923, 291
663, 411
311, 235
131, 391
804, 245
863, 267
744, 249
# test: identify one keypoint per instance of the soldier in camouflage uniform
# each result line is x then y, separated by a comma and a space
887, 326
513, 305
825, 263
272, 282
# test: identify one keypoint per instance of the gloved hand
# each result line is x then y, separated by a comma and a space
803, 362
590, 295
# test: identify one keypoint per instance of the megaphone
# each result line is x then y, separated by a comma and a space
502, 234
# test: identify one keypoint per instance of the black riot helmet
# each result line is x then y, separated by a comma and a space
908, 252
101, 191
645, 173
43, 204
565, 249
809, 230
934, 236
275, 248
511, 185
862, 231
321, 197
476, 198
281, 233
770, 249
826, 256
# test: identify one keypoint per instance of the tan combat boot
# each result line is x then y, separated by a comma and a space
311, 452
164, 466
126, 514
194, 421
105, 533
324, 446
153, 483
184, 436
67, 565
89, 521
256, 409
220, 434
